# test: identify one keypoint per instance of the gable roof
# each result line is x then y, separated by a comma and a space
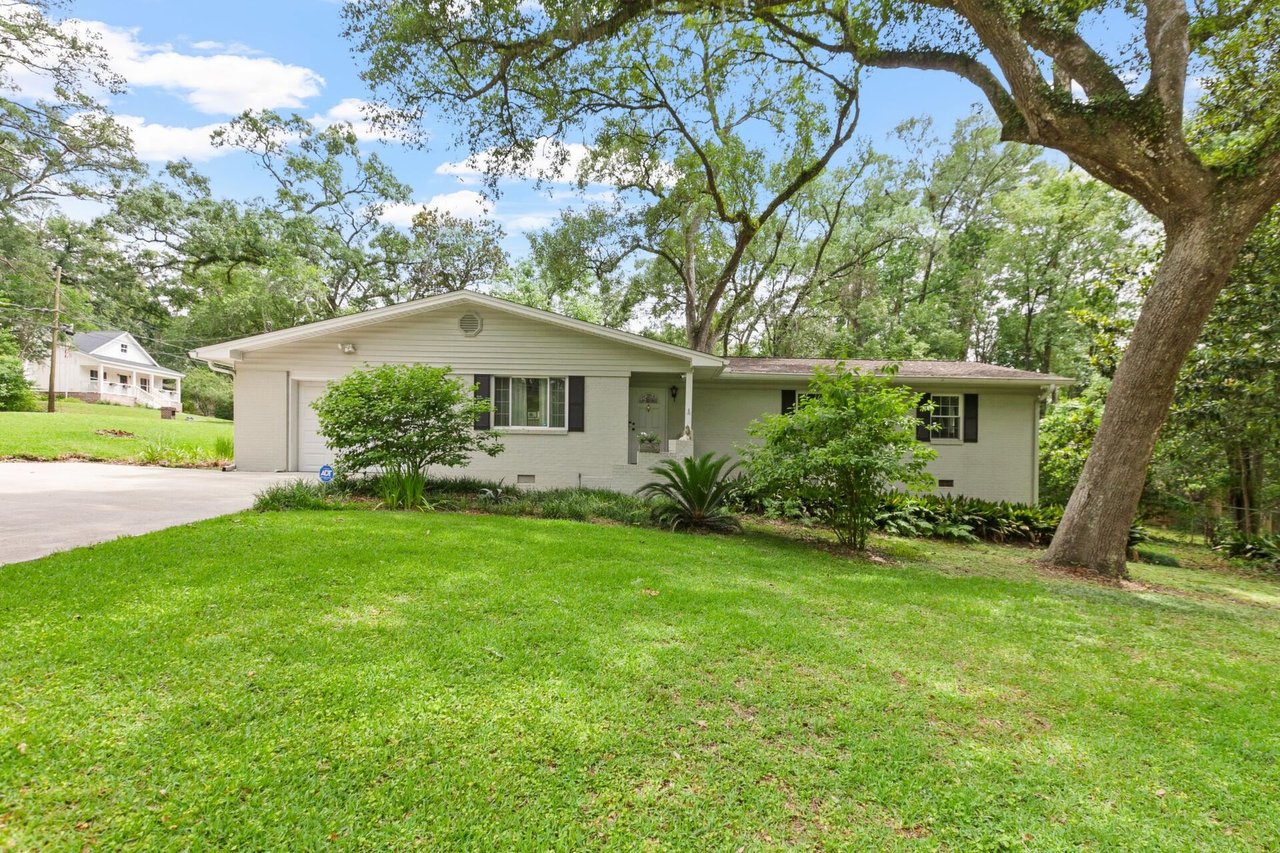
89, 342
229, 352
918, 370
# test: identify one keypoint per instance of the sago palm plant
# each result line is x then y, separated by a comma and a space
693, 493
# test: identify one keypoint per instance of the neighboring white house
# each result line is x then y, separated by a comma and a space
572, 398
109, 367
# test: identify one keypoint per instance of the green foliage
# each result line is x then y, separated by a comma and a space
207, 393
452, 253
402, 488
224, 448
403, 418
967, 519
295, 494
694, 493
1260, 548
168, 451
16, 393
1066, 436
843, 448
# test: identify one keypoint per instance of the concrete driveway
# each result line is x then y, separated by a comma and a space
52, 506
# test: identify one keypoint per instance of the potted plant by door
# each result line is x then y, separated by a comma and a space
647, 442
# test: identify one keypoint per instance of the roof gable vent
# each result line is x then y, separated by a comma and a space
470, 324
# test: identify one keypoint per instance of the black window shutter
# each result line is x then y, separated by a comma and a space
484, 385
788, 402
923, 433
577, 403
970, 417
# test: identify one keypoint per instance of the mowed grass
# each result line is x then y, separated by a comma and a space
395, 680
74, 431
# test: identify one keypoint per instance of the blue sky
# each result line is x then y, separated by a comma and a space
194, 65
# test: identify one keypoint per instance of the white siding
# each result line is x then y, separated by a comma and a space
262, 422
1001, 465
507, 343
273, 432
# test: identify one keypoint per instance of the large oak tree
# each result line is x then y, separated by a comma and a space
514, 69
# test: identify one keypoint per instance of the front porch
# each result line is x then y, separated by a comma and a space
134, 388
659, 426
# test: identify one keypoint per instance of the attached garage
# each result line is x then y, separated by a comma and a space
313, 454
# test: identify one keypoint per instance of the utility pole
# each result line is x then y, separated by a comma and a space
53, 335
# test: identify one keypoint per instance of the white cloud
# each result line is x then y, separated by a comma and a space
160, 142
236, 47
465, 204
527, 221
219, 84
353, 112
543, 164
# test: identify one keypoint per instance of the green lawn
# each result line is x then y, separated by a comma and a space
77, 430
390, 680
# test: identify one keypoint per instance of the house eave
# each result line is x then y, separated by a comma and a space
234, 351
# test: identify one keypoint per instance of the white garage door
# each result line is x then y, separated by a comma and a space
312, 452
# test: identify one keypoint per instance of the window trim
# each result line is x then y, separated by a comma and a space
535, 430
936, 436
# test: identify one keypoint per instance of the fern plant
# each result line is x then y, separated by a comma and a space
694, 494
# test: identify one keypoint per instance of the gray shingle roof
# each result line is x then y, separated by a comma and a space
906, 369
89, 341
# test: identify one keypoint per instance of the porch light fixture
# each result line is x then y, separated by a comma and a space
675, 391
347, 349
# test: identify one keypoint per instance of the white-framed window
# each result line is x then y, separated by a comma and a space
93, 375
124, 380
144, 383
530, 402
946, 416
124, 347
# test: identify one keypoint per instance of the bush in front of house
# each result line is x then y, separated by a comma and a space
841, 450
694, 493
402, 419
967, 519
297, 494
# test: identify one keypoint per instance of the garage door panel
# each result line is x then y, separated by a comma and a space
313, 453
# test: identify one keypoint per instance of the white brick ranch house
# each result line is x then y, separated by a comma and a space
573, 399
110, 367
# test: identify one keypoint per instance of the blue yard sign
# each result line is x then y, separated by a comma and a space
326, 474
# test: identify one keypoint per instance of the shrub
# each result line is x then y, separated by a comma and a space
167, 451
403, 418
16, 394
842, 449
402, 488
1258, 547
967, 519
298, 494
1066, 435
693, 493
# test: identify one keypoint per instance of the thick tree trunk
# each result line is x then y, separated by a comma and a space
1094, 531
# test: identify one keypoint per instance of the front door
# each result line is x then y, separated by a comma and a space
648, 416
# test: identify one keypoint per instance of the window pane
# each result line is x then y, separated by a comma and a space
946, 414
519, 402
558, 403
501, 401
535, 393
